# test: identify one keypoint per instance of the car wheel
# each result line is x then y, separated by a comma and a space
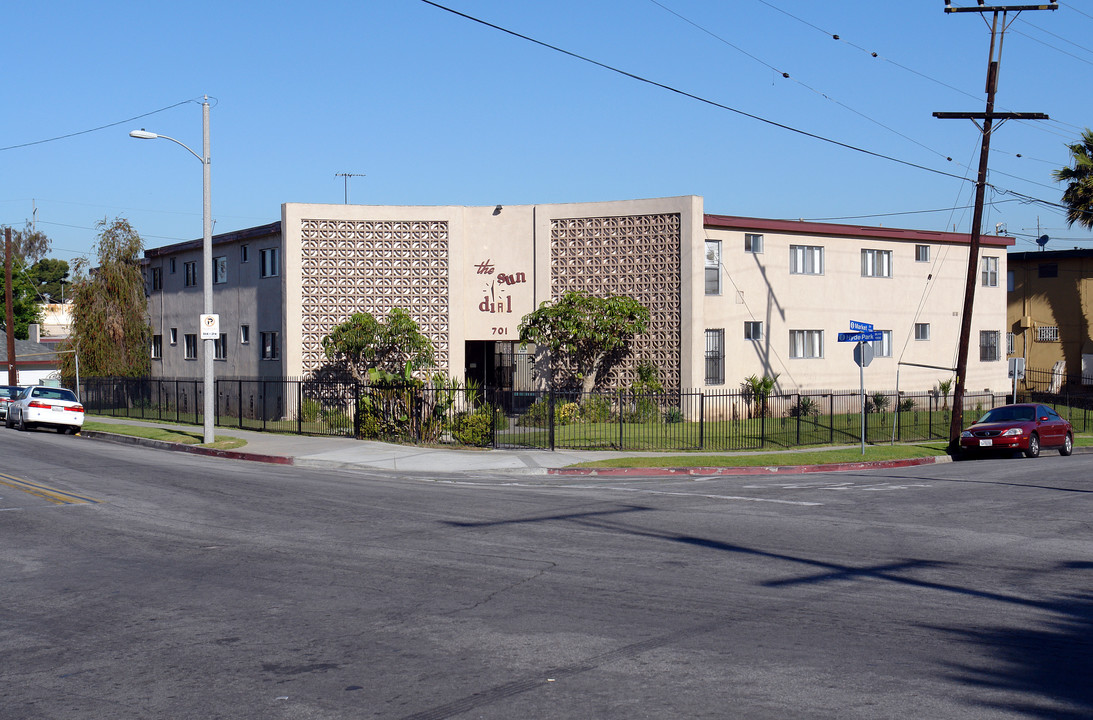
1033, 446
7, 422
1068, 445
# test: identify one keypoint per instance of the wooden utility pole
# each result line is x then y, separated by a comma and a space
998, 33
9, 312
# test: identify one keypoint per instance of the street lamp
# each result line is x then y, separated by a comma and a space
206, 256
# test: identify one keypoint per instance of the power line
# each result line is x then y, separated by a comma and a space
692, 96
95, 129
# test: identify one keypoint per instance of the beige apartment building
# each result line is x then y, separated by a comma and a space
728, 296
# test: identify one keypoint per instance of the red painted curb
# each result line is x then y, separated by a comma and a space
752, 469
192, 449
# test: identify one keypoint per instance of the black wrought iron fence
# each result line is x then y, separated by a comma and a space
491, 417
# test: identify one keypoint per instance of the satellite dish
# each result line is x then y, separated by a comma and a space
1042, 240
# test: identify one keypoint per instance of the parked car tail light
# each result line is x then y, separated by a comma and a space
75, 408
39, 404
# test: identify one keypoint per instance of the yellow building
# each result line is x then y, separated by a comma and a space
1050, 306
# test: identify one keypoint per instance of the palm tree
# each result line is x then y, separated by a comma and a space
1078, 195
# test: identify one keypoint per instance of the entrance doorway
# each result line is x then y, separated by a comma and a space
502, 367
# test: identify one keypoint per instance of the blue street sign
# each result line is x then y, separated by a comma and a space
861, 336
860, 326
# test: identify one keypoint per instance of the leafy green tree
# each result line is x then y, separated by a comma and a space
587, 332
1078, 195
48, 274
27, 245
367, 346
109, 325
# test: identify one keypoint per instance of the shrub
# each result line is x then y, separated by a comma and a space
473, 429
309, 410
906, 405
567, 413
596, 409
804, 408
673, 415
536, 415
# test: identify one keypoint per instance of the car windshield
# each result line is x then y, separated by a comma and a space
53, 394
8, 392
1008, 414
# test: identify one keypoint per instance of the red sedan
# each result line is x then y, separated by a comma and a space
1027, 427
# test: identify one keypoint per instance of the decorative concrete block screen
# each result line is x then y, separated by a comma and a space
373, 266
636, 255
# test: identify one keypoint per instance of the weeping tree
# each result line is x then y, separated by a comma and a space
109, 309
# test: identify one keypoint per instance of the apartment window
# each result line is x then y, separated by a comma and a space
715, 357
883, 347
191, 273
171, 265
753, 243
268, 258
922, 331
989, 272
922, 253
1011, 340
157, 279
713, 267
806, 259
1047, 270
244, 253
244, 334
220, 270
876, 263
753, 330
1009, 281
988, 345
220, 347
174, 336
1047, 333
157, 347
806, 343
191, 346
270, 348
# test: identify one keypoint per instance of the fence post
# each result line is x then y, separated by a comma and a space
702, 421
798, 419
356, 409
494, 401
550, 416
831, 419
299, 408
620, 417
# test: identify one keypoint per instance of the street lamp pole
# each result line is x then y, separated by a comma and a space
206, 257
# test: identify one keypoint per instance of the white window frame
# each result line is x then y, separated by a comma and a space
712, 271
157, 347
876, 263
244, 334
1011, 342
922, 332
922, 253
806, 344
191, 273
806, 259
174, 336
244, 253
883, 348
989, 271
220, 347
753, 329
753, 243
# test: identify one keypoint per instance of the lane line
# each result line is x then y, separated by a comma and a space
57, 497
710, 496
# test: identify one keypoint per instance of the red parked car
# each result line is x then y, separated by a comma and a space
1027, 427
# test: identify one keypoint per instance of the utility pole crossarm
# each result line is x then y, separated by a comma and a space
999, 8
990, 116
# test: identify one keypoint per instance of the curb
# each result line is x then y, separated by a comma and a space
753, 469
180, 447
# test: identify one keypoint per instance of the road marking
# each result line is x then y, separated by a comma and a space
840, 486
711, 496
57, 497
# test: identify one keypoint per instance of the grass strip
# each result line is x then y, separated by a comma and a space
223, 442
809, 457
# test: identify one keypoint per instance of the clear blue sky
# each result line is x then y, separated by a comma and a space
436, 109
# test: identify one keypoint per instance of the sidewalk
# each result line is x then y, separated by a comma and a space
348, 453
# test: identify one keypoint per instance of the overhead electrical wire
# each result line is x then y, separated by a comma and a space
95, 129
692, 96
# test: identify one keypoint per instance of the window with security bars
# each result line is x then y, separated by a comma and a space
1047, 333
988, 346
715, 357
1011, 341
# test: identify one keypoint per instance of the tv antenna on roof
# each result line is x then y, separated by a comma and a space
1042, 239
347, 176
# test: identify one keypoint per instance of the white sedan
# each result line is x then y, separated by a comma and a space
45, 406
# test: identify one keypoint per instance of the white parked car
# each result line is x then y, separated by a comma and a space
45, 406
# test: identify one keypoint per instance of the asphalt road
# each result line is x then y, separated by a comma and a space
137, 583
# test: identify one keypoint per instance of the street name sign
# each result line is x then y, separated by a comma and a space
860, 326
869, 336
